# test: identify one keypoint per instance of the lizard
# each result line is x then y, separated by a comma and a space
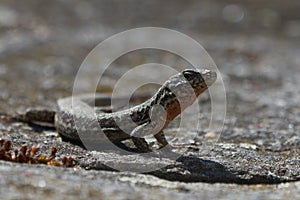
149, 117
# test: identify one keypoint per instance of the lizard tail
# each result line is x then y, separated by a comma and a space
31, 116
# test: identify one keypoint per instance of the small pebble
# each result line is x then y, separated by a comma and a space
210, 135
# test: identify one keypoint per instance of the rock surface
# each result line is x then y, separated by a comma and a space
256, 48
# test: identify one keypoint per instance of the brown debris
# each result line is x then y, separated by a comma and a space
29, 155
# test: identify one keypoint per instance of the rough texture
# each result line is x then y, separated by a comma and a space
256, 50
40, 182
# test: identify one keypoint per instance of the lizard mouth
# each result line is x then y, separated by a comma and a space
209, 77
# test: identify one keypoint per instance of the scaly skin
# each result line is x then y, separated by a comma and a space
150, 117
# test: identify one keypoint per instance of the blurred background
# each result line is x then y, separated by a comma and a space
255, 44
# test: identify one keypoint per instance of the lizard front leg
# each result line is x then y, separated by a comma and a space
142, 145
154, 127
161, 139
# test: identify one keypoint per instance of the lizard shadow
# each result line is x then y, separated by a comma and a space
39, 128
194, 164
194, 169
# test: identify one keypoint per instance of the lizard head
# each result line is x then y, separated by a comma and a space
186, 85
182, 89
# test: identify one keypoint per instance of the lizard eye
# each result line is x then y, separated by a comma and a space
189, 74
